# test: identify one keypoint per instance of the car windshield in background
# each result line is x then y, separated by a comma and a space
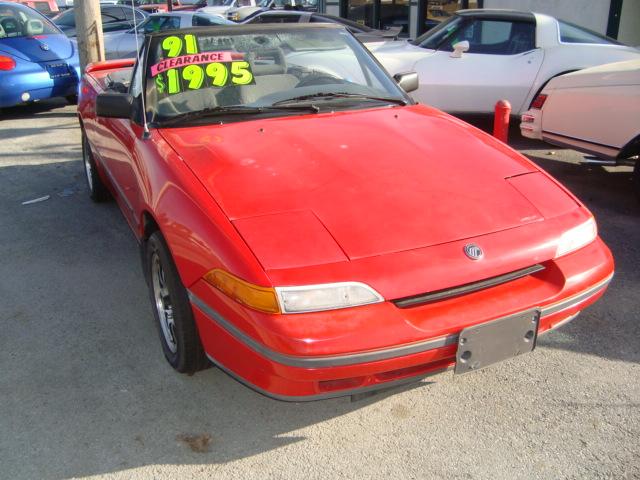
157, 23
19, 21
198, 75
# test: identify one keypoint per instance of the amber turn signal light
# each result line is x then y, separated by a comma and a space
253, 296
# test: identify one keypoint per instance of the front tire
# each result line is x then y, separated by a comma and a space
172, 310
98, 192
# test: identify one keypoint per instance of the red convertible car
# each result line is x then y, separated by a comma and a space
311, 230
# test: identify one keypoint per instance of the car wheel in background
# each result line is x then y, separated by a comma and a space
172, 310
98, 192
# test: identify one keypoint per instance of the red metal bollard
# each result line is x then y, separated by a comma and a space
501, 120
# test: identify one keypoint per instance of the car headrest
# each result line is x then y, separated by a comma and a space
10, 25
34, 27
269, 61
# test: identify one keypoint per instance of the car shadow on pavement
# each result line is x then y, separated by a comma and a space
85, 388
50, 108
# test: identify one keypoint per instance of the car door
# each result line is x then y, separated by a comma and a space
120, 137
502, 62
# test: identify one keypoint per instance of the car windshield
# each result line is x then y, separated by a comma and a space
261, 70
19, 21
156, 23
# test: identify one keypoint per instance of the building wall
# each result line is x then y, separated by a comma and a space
629, 31
592, 14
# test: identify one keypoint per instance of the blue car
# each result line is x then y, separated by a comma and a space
37, 60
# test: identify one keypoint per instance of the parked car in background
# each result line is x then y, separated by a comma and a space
114, 18
123, 44
478, 57
48, 8
151, 6
64, 4
313, 231
222, 7
596, 110
37, 61
362, 32
240, 14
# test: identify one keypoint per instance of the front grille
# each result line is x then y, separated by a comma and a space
429, 297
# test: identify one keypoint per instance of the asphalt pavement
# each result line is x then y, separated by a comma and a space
85, 391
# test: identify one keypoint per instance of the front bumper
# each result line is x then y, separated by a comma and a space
266, 366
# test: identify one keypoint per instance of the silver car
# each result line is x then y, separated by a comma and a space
123, 44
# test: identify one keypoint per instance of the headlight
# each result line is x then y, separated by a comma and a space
577, 237
329, 296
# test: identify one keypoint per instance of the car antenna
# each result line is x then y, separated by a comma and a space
145, 127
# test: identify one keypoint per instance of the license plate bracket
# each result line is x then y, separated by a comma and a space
482, 345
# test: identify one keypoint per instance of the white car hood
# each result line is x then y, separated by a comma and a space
398, 56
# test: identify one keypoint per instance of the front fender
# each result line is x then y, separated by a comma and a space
199, 234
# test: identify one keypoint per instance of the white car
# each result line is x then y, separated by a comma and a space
222, 7
477, 57
123, 44
596, 110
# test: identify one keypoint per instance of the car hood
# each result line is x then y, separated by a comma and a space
371, 181
399, 56
41, 48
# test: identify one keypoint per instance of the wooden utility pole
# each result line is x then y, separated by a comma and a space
170, 5
89, 31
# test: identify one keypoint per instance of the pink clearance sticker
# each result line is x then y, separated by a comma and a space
196, 59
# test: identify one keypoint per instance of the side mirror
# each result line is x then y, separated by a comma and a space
407, 81
459, 48
114, 105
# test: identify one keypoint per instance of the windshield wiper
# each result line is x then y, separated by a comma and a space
235, 110
330, 95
